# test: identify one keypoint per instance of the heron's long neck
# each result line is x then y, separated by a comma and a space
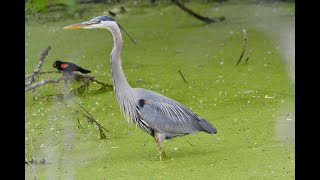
119, 79
122, 89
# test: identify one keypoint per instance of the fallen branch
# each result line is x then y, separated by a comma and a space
86, 79
91, 120
41, 83
38, 67
198, 16
244, 45
83, 77
40, 73
112, 13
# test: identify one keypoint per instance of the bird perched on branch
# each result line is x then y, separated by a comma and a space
69, 67
159, 116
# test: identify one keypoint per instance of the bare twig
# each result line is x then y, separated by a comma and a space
102, 135
103, 84
202, 18
183, 77
37, 69
80, 90
40, 73
244, 45
41, 83
83, 109
91, 120
249, 55
89, 115
85, 77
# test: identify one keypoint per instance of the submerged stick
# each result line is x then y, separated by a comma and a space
244, 45
249, 55
32, 163
183, 77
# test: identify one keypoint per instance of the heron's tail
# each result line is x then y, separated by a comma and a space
207, 127
83, 71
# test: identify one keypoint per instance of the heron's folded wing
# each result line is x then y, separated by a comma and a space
169, 116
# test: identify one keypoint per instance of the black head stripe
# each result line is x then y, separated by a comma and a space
103, 18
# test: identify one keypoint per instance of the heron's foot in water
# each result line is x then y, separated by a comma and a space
162, 154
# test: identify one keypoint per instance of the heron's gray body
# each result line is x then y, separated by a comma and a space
166, 116
159, 116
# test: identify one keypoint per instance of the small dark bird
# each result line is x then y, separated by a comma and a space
69, 67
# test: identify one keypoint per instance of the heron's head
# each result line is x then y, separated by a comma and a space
104, 22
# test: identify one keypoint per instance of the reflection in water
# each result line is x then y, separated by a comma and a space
282, 30
285, 128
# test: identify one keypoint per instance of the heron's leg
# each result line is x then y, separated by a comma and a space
159, 139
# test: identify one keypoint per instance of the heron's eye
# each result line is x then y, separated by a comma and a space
99, 21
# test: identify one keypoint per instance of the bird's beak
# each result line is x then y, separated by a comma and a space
79, 26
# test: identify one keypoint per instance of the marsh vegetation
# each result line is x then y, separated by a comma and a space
251, 104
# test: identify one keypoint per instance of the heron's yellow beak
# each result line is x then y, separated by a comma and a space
76, 26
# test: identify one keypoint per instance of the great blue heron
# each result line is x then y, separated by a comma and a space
159, 116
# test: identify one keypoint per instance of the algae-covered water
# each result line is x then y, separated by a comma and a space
251, 105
